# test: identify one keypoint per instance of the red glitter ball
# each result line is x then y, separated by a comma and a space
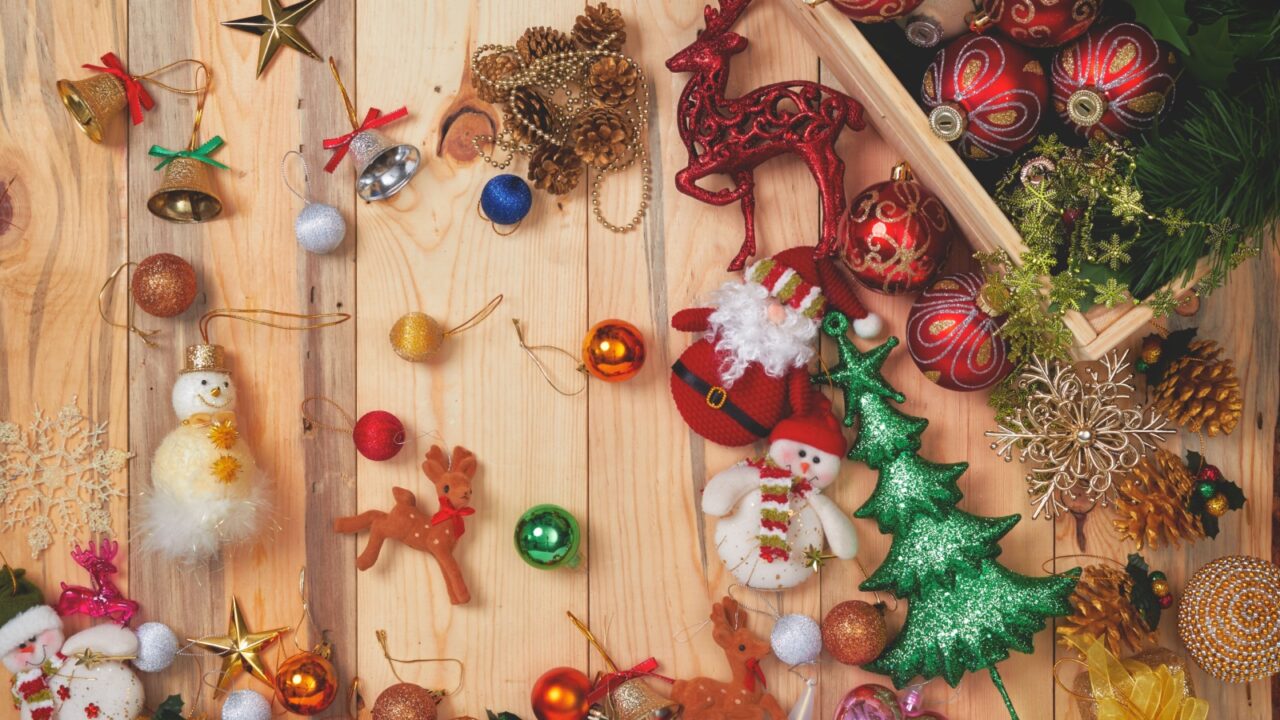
379, 435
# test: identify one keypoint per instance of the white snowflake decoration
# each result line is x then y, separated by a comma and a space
56, 476
1079, 432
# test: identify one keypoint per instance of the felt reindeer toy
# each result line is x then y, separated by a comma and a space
745, 697
436, 534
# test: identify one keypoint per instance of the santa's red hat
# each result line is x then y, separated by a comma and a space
817, 428
798, 281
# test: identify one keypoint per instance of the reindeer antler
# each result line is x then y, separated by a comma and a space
719, 21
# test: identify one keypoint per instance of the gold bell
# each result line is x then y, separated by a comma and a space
635, 700
92, 101
186, 194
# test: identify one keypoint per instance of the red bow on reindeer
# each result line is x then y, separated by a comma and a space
448, 512
754, 673
372, 121
138, 96
612, 680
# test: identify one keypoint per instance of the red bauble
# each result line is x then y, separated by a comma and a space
874, 11
1041, 23
897, 235
952, 335
379, 435
1113, 82
985, 94
561, 694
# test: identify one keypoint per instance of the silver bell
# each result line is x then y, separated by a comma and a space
383, 167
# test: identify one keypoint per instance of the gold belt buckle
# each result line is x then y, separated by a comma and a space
717, 397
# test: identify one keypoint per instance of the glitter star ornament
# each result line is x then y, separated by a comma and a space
965, 610
1080, 430
277, 26
240, 650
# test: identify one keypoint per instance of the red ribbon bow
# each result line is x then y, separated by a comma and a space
612, 680
138, 96
375, 119
449, 512
754, 673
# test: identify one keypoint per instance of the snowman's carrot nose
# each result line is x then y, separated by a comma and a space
216, 392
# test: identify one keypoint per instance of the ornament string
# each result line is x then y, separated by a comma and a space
138, 97
146, 335
318, 320
310, 421
304, 196
531, 351
477, 318
391, 662
615, 677
203, 152
500, 233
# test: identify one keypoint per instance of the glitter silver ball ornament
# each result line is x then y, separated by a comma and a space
796, 639
319, 228
246, 705
157, 647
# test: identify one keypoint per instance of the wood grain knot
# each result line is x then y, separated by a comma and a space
460, 125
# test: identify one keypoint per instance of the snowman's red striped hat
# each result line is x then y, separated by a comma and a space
796, 280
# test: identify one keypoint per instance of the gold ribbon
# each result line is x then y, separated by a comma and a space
207, 419
1132, 690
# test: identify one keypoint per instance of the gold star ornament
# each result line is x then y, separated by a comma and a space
240, 649
277, 26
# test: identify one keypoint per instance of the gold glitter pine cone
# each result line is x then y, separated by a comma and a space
1151, 502
1101, 607
492, 69
597, 23
537, 42
601, 137
1201, 391
555, 168
527, 110
613, 81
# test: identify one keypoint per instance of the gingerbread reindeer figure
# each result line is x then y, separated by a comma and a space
745, 698
436, 534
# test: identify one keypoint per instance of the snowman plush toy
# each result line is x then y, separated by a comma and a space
57, 680
772, 509
206, 489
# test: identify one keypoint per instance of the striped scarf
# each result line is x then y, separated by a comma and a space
30, 689
777, 487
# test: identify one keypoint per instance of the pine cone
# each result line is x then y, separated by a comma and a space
1152, 502
600, 137
1201, 390
539, 42
492, 69
613, 81
1103, 609
598, 23
527, 107
555, 168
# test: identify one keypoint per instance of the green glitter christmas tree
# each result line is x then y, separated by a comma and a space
965, 610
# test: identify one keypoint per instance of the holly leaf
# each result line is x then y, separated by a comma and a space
1166, 19
1209, 524
1235, 495
1212, 55
1195, 461
170, 709
1142, 596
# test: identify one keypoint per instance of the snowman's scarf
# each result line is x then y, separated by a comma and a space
777, 488
30, 688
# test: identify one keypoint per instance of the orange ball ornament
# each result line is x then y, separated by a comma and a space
405, 701
613, 350
164, 285
561, 694
307, 683
854, 632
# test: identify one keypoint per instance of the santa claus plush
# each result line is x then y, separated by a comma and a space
749, 369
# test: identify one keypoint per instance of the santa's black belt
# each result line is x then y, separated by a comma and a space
718, 399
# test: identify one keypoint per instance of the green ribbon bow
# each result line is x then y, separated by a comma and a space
201, 153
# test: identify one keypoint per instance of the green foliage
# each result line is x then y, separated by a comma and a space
1215, 38
170, 709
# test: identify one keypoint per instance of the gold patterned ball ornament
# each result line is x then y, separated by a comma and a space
1229, 619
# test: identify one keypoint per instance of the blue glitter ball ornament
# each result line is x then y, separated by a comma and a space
506, 199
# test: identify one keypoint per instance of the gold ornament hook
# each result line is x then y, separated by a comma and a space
246, 315
542, 367
391, 662
591, 638
346, 99
146, 335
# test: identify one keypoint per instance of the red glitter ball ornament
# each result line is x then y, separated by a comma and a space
875, 11
1114, 82
951, 335
984, 94
897, 235
379, 435
1039, 23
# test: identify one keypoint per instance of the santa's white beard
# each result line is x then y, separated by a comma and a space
744, 334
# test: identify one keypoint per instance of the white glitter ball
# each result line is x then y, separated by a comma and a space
319, 228
157, 646
796, 639
246, 705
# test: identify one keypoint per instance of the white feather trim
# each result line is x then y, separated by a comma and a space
193, 529
26, 625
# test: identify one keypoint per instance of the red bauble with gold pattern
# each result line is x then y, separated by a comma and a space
1039, 23
875, 11
897, 235
986, 95
951, 335
1114, 82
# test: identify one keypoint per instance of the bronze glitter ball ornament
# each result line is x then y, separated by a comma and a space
405, 701
854, 632
1229, 619
163, 285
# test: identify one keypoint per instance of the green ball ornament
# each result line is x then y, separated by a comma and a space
1207, 490
548, 537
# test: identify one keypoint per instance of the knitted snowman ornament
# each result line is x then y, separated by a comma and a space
772, 509
206, 489
53, 680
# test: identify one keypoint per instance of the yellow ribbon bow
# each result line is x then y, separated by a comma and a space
1132, 690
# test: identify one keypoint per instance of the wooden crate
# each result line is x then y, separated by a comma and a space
894, 112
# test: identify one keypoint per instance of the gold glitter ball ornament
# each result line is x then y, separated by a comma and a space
1229, 618
854, 632
163, 285
405, 701
417, 337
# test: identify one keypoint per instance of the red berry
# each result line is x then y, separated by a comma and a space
1166, 601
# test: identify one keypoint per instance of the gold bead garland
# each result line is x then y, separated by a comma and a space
1229, 618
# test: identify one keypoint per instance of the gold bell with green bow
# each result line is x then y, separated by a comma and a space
187, 193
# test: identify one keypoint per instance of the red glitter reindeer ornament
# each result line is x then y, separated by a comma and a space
731, 136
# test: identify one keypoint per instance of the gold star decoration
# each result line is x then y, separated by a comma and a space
277, 26
240, 649
814, 558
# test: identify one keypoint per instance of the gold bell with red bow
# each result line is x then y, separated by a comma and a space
383, 166
625, 694
93, 101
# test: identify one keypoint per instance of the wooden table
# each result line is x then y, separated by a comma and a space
618, 455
